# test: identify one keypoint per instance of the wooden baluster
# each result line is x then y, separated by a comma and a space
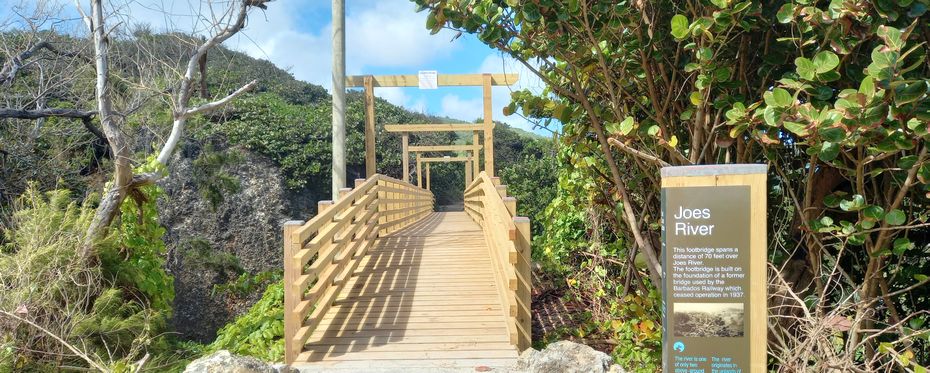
524, 287
292, 292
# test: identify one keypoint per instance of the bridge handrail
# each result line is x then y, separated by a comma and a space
508, 239
321, 254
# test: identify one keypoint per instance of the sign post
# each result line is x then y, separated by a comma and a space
714, 262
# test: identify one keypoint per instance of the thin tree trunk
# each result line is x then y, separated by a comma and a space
122, 176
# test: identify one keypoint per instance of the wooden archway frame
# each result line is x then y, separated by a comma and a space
369, 82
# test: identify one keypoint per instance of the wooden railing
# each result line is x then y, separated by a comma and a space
508, 239
321, 254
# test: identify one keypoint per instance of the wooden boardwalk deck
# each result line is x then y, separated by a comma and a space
423, 299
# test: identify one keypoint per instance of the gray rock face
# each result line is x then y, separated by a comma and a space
224, 362
209, 246
566, 357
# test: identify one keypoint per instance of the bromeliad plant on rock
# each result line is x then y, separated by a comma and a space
832, 95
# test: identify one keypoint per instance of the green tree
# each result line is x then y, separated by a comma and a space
831, 94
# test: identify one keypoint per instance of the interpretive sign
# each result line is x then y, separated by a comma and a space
714, 255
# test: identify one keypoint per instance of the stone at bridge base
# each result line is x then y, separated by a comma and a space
224, 362
566, 357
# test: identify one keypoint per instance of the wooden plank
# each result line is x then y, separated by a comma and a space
403, 355
444, 159
445, 127
370, 165
414, 339
442, 148
443, 80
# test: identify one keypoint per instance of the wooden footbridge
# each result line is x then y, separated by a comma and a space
378, 281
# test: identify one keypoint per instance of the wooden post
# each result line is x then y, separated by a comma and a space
419, 172
511, 204
475, 139
468, 175
524, 282
370, 161
343, 192
488, 128
292, 296
322, 206
427, 176
405, 138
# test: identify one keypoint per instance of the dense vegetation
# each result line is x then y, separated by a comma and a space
832, 95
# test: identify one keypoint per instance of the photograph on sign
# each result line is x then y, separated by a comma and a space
708, 319
429, 79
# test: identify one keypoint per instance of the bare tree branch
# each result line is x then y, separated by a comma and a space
205, 108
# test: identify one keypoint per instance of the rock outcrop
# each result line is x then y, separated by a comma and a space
211, 245
224, 362
565, 357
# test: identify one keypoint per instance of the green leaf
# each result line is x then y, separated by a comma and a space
799, 129
692, 67
832, 200
653, 130
874, 212
832, 134
626, 126
901, 245
825, 61
867, 87
895, 217
891, 36
855, 204
722, 74
908, 93
705, 54
679, 26
695, 98
805, 68
778, 97
826, 221
829, 151
785, 13
722, 4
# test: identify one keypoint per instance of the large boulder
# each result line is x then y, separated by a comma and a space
566, 357
224, 362
212, 245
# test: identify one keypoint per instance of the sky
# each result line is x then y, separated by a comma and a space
382, 37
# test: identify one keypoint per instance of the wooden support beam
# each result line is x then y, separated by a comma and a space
292, 294
442, 80
419, 171
370, 165
468, 174
427, 176
442, 148
406, 160
488, 127
444, 159
434, 127
475, 139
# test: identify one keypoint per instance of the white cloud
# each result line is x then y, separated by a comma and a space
378, 34
455, 106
